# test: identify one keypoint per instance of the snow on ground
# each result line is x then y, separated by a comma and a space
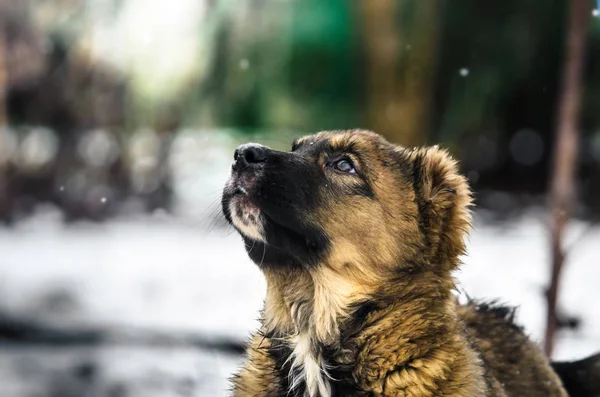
113, 372
144, 272
165, 273
511, 262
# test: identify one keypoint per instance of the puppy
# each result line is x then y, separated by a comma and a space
358, 239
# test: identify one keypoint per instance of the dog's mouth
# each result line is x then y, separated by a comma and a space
245, 215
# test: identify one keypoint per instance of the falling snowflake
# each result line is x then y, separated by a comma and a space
244, 64
464, 72
103, 200
595, 12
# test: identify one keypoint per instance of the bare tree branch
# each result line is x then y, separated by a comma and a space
565, 153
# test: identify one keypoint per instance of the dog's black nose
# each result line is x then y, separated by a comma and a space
250, 154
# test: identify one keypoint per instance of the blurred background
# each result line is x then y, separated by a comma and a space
118, 121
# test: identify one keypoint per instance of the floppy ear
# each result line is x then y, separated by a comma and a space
444, 200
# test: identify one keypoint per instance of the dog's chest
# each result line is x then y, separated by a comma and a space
302, 368
308, 367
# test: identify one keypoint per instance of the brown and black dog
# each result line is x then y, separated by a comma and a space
358, 239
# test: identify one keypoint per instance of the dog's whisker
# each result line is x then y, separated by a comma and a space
263, 255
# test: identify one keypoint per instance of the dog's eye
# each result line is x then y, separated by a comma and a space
344, 165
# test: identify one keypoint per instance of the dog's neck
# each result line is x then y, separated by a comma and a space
324, 315
322, 300
304, 307
312, 301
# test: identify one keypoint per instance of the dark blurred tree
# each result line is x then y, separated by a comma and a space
495, 93
3, 80
20, 59
400, 46
70, 96
58, 92
4, 202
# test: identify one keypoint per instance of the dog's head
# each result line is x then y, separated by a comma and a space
349, 200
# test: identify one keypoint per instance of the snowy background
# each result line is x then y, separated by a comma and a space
155, 285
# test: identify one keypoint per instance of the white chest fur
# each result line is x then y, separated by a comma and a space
308, 366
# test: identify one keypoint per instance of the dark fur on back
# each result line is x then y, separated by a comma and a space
509, 356
358, 240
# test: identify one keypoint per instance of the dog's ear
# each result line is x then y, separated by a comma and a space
444, 199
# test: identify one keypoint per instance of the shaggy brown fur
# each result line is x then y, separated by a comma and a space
358, 261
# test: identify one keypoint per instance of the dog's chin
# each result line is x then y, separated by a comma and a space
272, 240
282, 247
247, 218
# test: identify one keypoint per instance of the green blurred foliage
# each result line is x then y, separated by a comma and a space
307, 71
289, 65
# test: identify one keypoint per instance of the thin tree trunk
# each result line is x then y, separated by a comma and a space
4, 193
565, 154
400, 60
3, 78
